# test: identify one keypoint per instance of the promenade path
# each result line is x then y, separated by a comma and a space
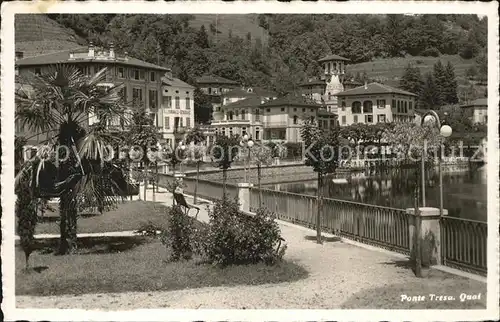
341, 275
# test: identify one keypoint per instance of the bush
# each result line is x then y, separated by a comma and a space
235, 238
432, 52
178, 235
26, 214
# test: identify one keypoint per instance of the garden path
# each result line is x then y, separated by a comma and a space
341, 275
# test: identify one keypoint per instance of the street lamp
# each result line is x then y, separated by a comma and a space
445, 131
182, 147
248, 143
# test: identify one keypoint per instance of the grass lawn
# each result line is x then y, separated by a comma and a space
134, 264
127, 216
438, 283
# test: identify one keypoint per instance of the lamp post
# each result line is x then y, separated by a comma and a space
445, 131
248, 143
182, 147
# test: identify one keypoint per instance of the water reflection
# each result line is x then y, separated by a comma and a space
464, 193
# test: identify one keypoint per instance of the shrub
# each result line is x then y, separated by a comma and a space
235, 238
432, 52
178, 235
26, 214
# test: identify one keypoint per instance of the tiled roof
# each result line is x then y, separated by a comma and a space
175, 82
63, 57
477, 102
292, 100
374, 88
322, 112
247, 102
212, 79
256, 91
332, 57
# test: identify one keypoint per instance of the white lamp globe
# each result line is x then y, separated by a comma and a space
242, 143
446, 131
183, 147
245, 137
429, 119
250, 143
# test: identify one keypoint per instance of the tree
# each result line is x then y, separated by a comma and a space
322, 156
196, 152
482, 66
430, 98
144, 135
202, 107
202, 38
394, 28
224, 152
263, 156
61, 100
411, 80
440, 82
450, 89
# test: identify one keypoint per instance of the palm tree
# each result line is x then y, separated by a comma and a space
62, 101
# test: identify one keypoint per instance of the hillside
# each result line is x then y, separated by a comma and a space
36, 34
238, 25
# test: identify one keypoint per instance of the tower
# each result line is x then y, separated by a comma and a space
334, 73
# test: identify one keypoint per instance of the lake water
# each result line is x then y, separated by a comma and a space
464, 193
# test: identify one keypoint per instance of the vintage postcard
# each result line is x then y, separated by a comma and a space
250, 160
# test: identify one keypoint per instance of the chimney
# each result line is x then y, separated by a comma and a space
91, 50
112, 50
366, 85
168, 74
19, 55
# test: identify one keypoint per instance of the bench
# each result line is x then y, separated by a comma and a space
181, 201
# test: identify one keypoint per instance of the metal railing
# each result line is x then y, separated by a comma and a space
464, 244
381, 226
206, 189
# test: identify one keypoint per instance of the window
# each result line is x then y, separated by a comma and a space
152, 76
329, 96
344, 119
312, 110
356, 107
343, 105
230, 131
177, 102
399, 106
210, 90
393, 104
282, 109
406, 107
295, 109
153, 98
167, 101
368, 118
188, 122
244, 131
295, 119
381, 103
223, 131
303, 110
230, 115
188, 103
381, 118
141, 74
268, 110
410, 105
166, 122
257, 134
257, 115
355, 119
243, 115
367, 107
136, 74
123, 94
38, 71
121, 72
137, 95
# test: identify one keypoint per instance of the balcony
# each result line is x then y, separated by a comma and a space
180, 130
230, 121
275, 124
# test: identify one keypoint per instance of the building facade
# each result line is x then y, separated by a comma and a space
214, 87
376, 103
146, 84
477, 110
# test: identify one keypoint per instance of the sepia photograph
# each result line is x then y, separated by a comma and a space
196, 160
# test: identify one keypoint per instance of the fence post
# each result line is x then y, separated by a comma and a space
244, 196
430, 235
